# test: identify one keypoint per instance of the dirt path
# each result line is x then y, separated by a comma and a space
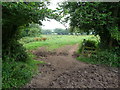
64, 71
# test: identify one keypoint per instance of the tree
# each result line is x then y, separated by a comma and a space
15, 15
32, 30
60, 31
46, 31
102, 18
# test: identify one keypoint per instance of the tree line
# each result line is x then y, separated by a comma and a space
59, 31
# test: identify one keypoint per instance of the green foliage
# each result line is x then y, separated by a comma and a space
32, 30
16, 51
46, 31
60, 31
115, 33
16, 74
102, 18
105, 57
91, 43
20, 14
109, 57
15, 15
25, 40
57, 31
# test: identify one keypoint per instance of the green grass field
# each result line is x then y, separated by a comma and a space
54, 41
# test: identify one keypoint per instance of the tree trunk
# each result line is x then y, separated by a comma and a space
111, 42
105, 38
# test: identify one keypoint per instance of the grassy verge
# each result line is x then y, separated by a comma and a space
17, 74
102, 57
109, 57
87, 60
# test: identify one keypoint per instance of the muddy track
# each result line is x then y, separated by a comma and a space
64, 71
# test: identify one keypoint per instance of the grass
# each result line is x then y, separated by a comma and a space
16, 74
56, 41
87, 60
106, 58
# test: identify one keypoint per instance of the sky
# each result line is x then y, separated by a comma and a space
52, 24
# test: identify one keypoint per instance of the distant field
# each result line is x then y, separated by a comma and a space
54, 41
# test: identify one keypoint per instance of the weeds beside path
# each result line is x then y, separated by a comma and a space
64, 71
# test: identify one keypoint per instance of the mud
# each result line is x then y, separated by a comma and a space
64, 71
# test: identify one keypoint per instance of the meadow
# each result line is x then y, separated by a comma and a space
54, 41
107, 57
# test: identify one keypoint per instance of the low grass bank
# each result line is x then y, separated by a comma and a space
107, 61
17, 73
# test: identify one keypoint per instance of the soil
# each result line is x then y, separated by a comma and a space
64, 71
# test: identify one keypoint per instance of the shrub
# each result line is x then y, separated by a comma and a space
107, 57
88, 43
25, 40
16, 51
91, 43
16, 74
34, 32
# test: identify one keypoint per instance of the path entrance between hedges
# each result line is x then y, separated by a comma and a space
64, 71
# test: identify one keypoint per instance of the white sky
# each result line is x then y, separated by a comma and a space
52, 24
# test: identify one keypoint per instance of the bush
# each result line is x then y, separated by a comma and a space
104, 58
88, 43
31, 30
34, 32
91, 43
16, 74
25, 40
107, 58
16, 51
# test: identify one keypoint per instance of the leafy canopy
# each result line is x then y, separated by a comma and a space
102, 18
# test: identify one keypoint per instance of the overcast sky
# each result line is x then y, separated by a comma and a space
52, 24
